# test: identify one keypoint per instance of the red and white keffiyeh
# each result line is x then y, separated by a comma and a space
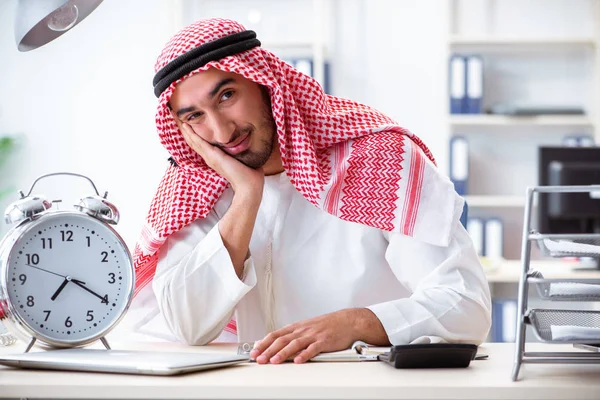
344, 157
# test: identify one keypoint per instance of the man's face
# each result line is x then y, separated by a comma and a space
228, 111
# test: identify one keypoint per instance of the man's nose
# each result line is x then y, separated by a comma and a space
222, 128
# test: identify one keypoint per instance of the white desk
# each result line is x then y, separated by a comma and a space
487, 379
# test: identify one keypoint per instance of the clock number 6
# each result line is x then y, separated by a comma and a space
68, 322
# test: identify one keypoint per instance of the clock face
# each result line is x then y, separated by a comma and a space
69, 278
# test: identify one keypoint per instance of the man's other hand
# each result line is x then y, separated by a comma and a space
331, 332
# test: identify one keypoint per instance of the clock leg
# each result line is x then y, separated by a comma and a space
105, 343
30, 345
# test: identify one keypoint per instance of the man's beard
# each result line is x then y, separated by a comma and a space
256, 159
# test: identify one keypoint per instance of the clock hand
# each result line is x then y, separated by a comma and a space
60, 288
45, 270
82, 285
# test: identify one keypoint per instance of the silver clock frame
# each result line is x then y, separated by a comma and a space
13, 321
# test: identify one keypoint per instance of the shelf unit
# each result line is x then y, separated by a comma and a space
491, 42
477, 120
495, 201
556, 325
496, 41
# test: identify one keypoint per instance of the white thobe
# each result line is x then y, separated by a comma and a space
304, 263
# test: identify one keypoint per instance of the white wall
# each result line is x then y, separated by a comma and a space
405, 73
388, 54
84, 103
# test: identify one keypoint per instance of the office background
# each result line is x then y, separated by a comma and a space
84, 102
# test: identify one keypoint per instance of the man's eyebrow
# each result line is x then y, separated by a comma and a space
219, 85
211, 94
184, 110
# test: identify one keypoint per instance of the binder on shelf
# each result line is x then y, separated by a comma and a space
578, 141
459, 164
475, 227
457, 76
504, 320
474, 91
306, 66
494, 238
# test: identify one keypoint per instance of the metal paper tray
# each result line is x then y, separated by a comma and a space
565, 326
566, 289
568, 245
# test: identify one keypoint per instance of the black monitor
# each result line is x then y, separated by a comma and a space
569, 212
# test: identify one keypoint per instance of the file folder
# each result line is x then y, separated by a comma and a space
304, 65
459, 164
494, 242
457, 84
504, 320
474, 91
475, 227
578, 141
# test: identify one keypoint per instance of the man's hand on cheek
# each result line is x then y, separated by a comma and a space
305, 339
241, 177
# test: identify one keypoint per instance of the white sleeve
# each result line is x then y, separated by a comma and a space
450, 293
195, 284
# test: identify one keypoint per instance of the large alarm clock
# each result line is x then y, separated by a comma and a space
66, 276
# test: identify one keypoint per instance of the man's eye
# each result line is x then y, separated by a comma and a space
226, 95
193, 116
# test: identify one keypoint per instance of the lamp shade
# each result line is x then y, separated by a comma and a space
41, 21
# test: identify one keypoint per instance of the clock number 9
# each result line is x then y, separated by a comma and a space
23, 278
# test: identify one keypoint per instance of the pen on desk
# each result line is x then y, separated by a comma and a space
332, 357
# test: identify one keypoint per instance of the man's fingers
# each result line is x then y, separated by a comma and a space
208, 152
264, 344
276, 346
307, 353
293, 347
193, 140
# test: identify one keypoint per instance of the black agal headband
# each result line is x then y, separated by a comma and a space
202, 55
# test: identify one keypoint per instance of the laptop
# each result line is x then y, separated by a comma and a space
122, 361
